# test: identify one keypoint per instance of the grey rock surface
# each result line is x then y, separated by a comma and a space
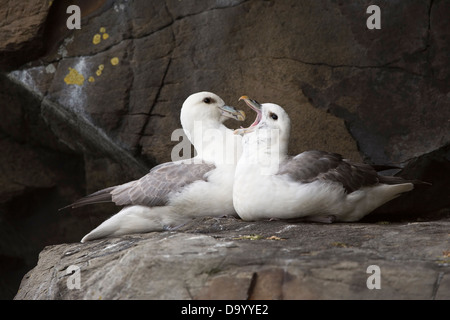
114, 88
21, 31
86, 109
227, 258
317, 61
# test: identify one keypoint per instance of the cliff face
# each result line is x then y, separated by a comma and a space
89, 108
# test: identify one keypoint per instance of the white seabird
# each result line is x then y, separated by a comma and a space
172, 193
314, 185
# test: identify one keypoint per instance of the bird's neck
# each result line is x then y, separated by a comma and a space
213, 141
264, 150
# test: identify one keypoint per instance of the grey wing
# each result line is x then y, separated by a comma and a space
312, 166
153, 189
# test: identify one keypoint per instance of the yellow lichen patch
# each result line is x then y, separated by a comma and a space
257, 237
100, 70
339, 244
91, 79
74, 77
250, 237
105, 36
445, 258
115, 61
274, 238
102, 30
97, 38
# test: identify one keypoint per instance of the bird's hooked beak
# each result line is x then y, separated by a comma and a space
232, 112
257, 107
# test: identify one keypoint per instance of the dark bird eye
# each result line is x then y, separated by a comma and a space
207, 100
273, 116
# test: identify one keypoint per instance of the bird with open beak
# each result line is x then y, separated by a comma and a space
314, 185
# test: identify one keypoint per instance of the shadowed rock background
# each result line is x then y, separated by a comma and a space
90, 108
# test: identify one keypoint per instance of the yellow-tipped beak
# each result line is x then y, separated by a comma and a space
233, 113
257, 107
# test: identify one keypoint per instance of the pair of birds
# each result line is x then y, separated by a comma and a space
246, 172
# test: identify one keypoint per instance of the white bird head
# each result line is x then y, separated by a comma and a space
271, 121
202, 117
207, 106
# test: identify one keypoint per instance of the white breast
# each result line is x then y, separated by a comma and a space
213, 197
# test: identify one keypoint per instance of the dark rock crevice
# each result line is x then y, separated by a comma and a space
387, 66
429, 40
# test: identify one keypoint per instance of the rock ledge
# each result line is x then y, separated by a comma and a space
227, 258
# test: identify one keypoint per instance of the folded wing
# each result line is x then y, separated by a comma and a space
154, 188
315, 165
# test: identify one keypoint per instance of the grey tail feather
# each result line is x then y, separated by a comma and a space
100, 196
399, 180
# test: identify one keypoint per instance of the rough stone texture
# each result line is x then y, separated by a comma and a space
319, 61
227, 258
21, 31
382, 96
